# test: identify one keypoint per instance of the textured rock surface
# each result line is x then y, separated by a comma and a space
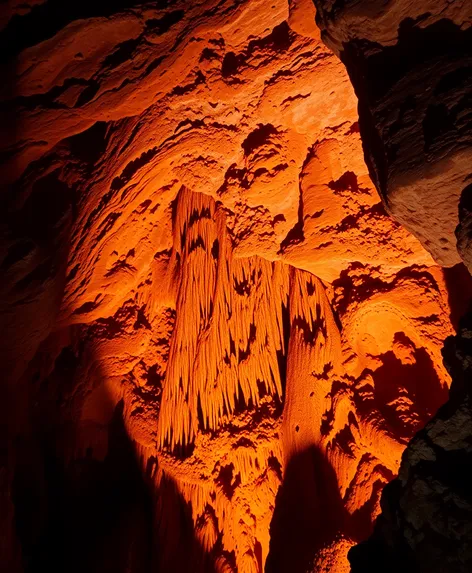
425, 524
217, 344
464, 229
410, 64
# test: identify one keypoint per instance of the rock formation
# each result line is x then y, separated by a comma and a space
217, 343
410, 64
425, 523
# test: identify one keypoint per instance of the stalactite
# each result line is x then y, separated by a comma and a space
199, 271
229, 326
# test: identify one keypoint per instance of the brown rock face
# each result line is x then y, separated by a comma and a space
410, 64
216, 343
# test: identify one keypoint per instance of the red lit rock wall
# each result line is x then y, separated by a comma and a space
217, 343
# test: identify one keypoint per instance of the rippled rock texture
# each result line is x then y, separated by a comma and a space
410, 64
425, 524
217, 344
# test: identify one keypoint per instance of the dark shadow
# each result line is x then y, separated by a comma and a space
179, 549
309, 513
81, 512
36, 221
417, 382
459, 290
46, 19
98, 514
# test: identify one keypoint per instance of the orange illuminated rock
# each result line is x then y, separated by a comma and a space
409, 63
206, 303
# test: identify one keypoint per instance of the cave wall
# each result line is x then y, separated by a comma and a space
410, 64
217, 343
425, 520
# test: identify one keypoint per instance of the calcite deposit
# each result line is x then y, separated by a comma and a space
216, 342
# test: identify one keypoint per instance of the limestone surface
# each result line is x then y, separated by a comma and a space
216, 342
410, 64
